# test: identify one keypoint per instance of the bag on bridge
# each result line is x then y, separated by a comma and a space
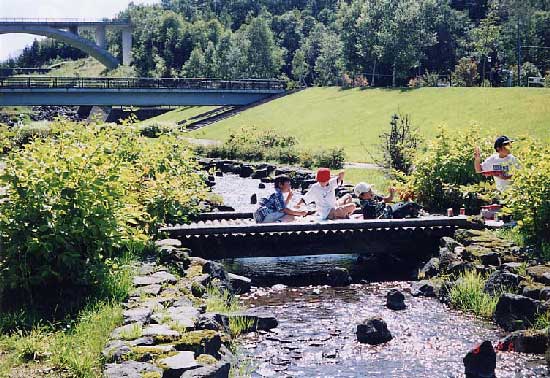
405, 210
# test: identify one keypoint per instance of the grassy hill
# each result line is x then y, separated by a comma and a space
355, 118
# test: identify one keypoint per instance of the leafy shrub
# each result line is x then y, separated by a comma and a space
430, 79
528, 198
446, 167
6, 138
347, 81
331, 158
465, 73
254, 145
151, 131
398, 146
84, 195
360, 81
25, 134
415, 82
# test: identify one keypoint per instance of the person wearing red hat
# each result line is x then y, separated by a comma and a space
323, 193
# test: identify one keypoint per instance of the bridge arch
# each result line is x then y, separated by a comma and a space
89, 47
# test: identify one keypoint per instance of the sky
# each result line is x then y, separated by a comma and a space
12, 44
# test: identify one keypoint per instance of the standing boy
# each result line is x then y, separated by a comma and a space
323, 193
274, 208
499, 164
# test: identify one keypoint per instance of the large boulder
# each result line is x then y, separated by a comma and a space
219, 369
246, 170
481, 361
430, 269
447, 258
423, 288
531, 341
516, 312
217, 272
395, 300
200, 342
373, 331
338, 277
501, 281
449, 243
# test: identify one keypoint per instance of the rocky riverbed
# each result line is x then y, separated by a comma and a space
317, 324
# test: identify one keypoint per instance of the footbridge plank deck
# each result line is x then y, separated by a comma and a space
248, 226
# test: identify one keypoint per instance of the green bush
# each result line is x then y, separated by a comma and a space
444, 171
528, 198
547, 80
25, 134
465, 73
83, 195
528, 69
6, 139
331, 158
253, 145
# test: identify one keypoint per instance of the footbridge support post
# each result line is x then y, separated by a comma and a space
100, 36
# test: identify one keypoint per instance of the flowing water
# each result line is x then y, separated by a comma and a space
316, 332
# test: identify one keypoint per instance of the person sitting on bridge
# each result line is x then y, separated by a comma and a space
499, 164
323, 193
275, 207
373, 205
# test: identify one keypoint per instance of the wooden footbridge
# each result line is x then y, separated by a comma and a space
230, 235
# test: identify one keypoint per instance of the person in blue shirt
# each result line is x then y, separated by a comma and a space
275, 207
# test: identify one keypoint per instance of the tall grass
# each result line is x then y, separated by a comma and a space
468, 295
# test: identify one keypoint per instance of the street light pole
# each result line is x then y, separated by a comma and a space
519, 55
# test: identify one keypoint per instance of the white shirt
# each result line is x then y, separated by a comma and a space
505, 164
324, 197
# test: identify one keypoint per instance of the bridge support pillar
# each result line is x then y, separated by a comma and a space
127, 46
100, 36
74, 29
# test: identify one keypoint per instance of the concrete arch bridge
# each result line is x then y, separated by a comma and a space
66, 30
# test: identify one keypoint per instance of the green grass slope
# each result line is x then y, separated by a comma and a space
331, 117
179, 114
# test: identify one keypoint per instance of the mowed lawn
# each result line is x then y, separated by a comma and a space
354, 119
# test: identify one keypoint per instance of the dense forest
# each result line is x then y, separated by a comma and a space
383, 42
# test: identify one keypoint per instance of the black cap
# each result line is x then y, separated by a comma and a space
501, 141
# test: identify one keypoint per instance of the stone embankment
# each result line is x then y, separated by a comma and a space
168, 330
521, 283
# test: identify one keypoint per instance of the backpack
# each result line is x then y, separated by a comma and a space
405, 210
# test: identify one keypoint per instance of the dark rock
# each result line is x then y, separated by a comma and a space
545, 293
240, 284
225, 208
246, 170
218, 370
198, 290
219, 173
254, 199
212, 321
178, 364
512, 267
260, 174
444, 293
491, 258
532, 291
525, 342
177, 258
261, 185
448, 243
116, 351
515, 312
459, 267
395, 300
216, 271
430, 269
480, 362
540, 273
501, 281
373, 331
140, 314
267, 180
446, 258
338, 277
200, 342
129, 369
423, 289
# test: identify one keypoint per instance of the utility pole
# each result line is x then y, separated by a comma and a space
519, 55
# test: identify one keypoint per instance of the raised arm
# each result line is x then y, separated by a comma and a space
477, 160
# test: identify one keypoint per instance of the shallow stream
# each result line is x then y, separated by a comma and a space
316, 332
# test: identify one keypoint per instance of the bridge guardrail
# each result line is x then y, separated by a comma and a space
34, 82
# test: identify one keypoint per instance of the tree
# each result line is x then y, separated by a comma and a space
299, 67
465, 73
485, 40
196, 65
264, 57
329, 65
